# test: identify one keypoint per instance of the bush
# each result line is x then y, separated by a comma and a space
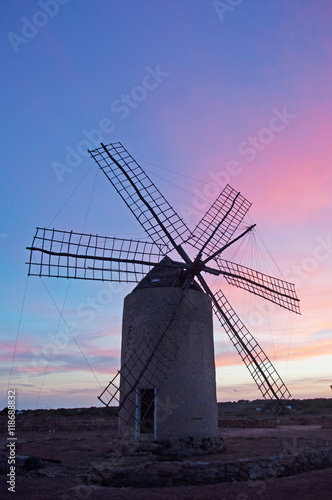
312, 410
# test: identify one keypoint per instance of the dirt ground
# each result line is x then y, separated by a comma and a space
69, 456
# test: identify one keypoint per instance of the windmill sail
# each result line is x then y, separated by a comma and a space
145, 201
273, 289
220, 222
260, 367
65, 254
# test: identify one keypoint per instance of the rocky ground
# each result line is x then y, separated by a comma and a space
63, 460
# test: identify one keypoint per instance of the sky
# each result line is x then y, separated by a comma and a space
201, 93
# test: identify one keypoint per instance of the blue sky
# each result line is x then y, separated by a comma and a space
200, 97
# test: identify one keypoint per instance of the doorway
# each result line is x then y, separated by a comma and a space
146, 411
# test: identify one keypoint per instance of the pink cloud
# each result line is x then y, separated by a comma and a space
312, 350
7, 350
301, 194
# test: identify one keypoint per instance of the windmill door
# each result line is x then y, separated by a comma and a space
146, 411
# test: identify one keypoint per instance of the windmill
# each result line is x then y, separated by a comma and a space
166, 384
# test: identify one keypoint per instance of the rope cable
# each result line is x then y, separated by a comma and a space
17, 336
61, 317
182, 190
90, 199
52, 348
69, 330
178, 173
289, 320
71, 194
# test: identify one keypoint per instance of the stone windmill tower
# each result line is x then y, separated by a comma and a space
166, 385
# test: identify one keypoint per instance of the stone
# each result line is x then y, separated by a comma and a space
33, 463
174, 473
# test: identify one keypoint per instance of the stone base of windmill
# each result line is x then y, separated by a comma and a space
169, 447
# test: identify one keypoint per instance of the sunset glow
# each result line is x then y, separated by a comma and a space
200, 99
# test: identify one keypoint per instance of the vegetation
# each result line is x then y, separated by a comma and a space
92, 412
241, 408
246, 408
